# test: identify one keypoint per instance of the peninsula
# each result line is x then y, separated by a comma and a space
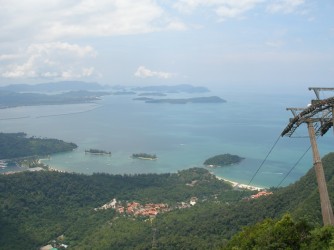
222, 160
18, 150
17, 145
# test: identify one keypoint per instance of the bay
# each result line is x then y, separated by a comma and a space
181, 135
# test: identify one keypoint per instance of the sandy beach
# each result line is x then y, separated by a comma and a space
240, 185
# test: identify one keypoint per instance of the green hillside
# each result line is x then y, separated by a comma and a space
37, 208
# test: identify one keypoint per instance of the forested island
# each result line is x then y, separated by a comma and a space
144, 156
16, 145
222, 160
42, 208
97, 152
210, 99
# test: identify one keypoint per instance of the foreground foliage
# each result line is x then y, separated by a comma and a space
283, 234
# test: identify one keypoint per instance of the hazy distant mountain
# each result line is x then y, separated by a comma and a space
186, 88
14, 99
54, 87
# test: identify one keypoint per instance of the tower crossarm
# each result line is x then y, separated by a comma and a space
316, 107
317, 90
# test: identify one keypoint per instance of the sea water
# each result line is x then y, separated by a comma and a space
181, 135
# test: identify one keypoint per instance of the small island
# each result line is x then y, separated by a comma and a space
222, 160
144, 156
97, 152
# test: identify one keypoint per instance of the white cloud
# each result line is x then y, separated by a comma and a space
223, 8
105, 18
48, 21
285, 6
144, 72
71, 74
62, 48
51, 60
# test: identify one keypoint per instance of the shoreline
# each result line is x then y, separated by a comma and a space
240, 185
234, 184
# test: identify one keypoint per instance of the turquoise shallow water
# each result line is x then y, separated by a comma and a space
182, 136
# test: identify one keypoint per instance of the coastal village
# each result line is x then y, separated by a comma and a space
150, 209
153, 209
260, 194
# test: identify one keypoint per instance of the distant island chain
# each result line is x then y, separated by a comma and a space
72, 93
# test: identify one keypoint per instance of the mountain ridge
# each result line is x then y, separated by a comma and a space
54, 86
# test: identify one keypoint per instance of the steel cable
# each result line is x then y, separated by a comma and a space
264, 160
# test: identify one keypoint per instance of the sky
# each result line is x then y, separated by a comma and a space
218, 43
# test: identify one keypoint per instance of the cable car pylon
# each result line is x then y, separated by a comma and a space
319, 118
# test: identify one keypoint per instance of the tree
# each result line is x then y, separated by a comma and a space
283, 234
